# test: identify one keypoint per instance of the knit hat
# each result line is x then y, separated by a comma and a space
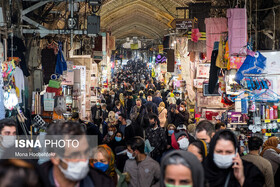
179, 134
182, 127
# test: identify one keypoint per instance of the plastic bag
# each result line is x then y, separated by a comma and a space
251, 65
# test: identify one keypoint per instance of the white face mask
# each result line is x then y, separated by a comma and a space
278, 146
75, 171
183, 144
110, 133
8, 141
223, 161
129, 155
181, 109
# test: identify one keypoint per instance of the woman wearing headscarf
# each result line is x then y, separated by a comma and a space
181, 168
104, 160
224, 167
199, 149
162, 114
117, 141
169, 131
272, 154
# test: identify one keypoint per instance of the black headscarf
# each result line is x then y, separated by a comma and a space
195, 167
217, 177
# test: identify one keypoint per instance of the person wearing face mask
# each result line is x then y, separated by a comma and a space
104, 160
271, 152
111, 101
178, 98
64, 169
117, 141
156, 136
96, 113
255, 144
169, 131
180, 140
224, 167
8, 134
143, 170
110, 135
181, 169
136, 110
181, 115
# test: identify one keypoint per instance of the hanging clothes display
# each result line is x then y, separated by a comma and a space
214, 29
214, 71
221, 62
237, 30
19, 82
60, 61
48, 60
17, 50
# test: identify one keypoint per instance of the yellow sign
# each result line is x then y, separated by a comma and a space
160, 49
278, 120
191, 110
133, 46
267, 134
267, 121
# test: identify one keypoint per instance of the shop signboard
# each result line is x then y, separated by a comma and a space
183, 24
97, 55
134, 46
160, 49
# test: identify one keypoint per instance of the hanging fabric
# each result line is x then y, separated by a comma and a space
237, 30
61, 64
220, 62
214, 71
214, 29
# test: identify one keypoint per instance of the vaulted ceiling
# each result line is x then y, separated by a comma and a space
142, 18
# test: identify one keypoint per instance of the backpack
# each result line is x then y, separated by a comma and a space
60, 105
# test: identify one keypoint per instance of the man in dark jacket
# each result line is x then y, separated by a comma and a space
157, 99
96, 113
157, 137
64, 169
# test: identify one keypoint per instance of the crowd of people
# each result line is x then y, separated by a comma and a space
144, 140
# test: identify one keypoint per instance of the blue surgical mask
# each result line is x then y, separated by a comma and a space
101, 166
118, 139
170, 132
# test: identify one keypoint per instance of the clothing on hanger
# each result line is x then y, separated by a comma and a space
215, 27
